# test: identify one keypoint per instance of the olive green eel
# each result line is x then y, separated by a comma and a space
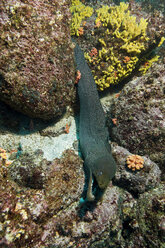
93, 134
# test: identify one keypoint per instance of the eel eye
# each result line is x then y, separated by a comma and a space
100, 173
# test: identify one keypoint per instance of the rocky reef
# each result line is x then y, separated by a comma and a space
151, 207
140, 115
36, 58
42, 179
40, 204
117, 39
136, 182
42, 190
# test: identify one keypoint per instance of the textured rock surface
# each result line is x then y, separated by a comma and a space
36, 59
90, 230
151, 208
140, 115
135, 182
42, 208
39, 204
50, 187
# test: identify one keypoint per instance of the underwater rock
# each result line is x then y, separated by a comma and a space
140, 116
150, 216
36, 59
29, 170
51, 215
85, 227
58, 177
153, 5
143, 219
26, 207
42, 207
137, 181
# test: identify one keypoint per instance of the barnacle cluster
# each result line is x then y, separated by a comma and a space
135, 162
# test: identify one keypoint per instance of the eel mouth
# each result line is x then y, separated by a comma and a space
95, 191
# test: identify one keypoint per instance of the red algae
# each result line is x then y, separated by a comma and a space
36, 58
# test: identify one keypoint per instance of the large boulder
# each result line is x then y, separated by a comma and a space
138, 181
140, 114
36, 58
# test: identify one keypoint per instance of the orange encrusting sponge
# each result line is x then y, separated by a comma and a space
135, 162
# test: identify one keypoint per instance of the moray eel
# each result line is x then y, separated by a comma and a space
93, 132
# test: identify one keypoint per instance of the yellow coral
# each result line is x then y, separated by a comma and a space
135, 162
120, 27
144, 68
118, 36
161, 41
123, 24
133, 47
79, 12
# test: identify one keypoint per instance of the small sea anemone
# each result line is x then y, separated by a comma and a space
135, 162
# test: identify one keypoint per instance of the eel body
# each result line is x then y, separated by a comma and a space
94, 137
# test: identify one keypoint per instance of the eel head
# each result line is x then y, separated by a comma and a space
104, 170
